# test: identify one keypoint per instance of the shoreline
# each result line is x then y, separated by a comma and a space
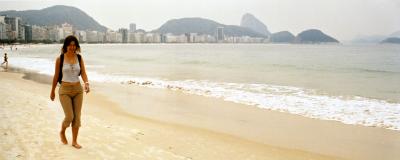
262, 128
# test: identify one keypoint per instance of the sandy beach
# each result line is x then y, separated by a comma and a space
132, 122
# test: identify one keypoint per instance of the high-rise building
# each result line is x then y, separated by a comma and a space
156, 38
21, 32
92, 37
187, 35
131, 37
101, 37
124, 33
14, 22
3, 31
28, 33
39, 33
132, 27
118, 38
112, 37
163, 38
53, 33
2, 19
220, 34
81, 35
67, 29
139, 37
191, 37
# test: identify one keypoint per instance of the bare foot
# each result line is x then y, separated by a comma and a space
63, 138
76, 145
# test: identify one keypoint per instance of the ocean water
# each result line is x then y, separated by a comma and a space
353, 84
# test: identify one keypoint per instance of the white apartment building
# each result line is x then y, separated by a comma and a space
132, 27
91, 37
67, 28
81, 35
3, 28
39, 33
119, 37
139, 37
56, 33
131, 37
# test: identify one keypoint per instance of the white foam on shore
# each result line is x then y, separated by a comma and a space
294, 100
40, 65
348, 110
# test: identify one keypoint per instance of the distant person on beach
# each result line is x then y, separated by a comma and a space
69, 66
5, 60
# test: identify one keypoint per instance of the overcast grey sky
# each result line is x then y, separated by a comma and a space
342, 19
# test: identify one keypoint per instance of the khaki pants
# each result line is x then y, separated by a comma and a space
71, 97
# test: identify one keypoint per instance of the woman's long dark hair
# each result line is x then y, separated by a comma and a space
67, 41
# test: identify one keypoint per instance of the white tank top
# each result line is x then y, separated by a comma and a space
71, 72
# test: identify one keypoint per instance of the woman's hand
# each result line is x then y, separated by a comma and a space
87, 88
52, 95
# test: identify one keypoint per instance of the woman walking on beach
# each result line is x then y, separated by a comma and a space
69, 66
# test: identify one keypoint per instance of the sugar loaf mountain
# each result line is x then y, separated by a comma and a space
250, 21
249, 26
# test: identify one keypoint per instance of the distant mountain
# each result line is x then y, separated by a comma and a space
395, 34
374, 39
368, 39
250, 21
314, 36
57, 15
394, 40
282, 37
204, 26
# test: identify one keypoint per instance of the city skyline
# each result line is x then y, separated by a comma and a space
374, 18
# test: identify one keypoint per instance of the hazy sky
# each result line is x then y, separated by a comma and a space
342, 19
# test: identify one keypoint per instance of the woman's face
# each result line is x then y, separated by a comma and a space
71, 47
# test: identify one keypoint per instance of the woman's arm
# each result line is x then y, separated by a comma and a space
84, 76
55, 79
